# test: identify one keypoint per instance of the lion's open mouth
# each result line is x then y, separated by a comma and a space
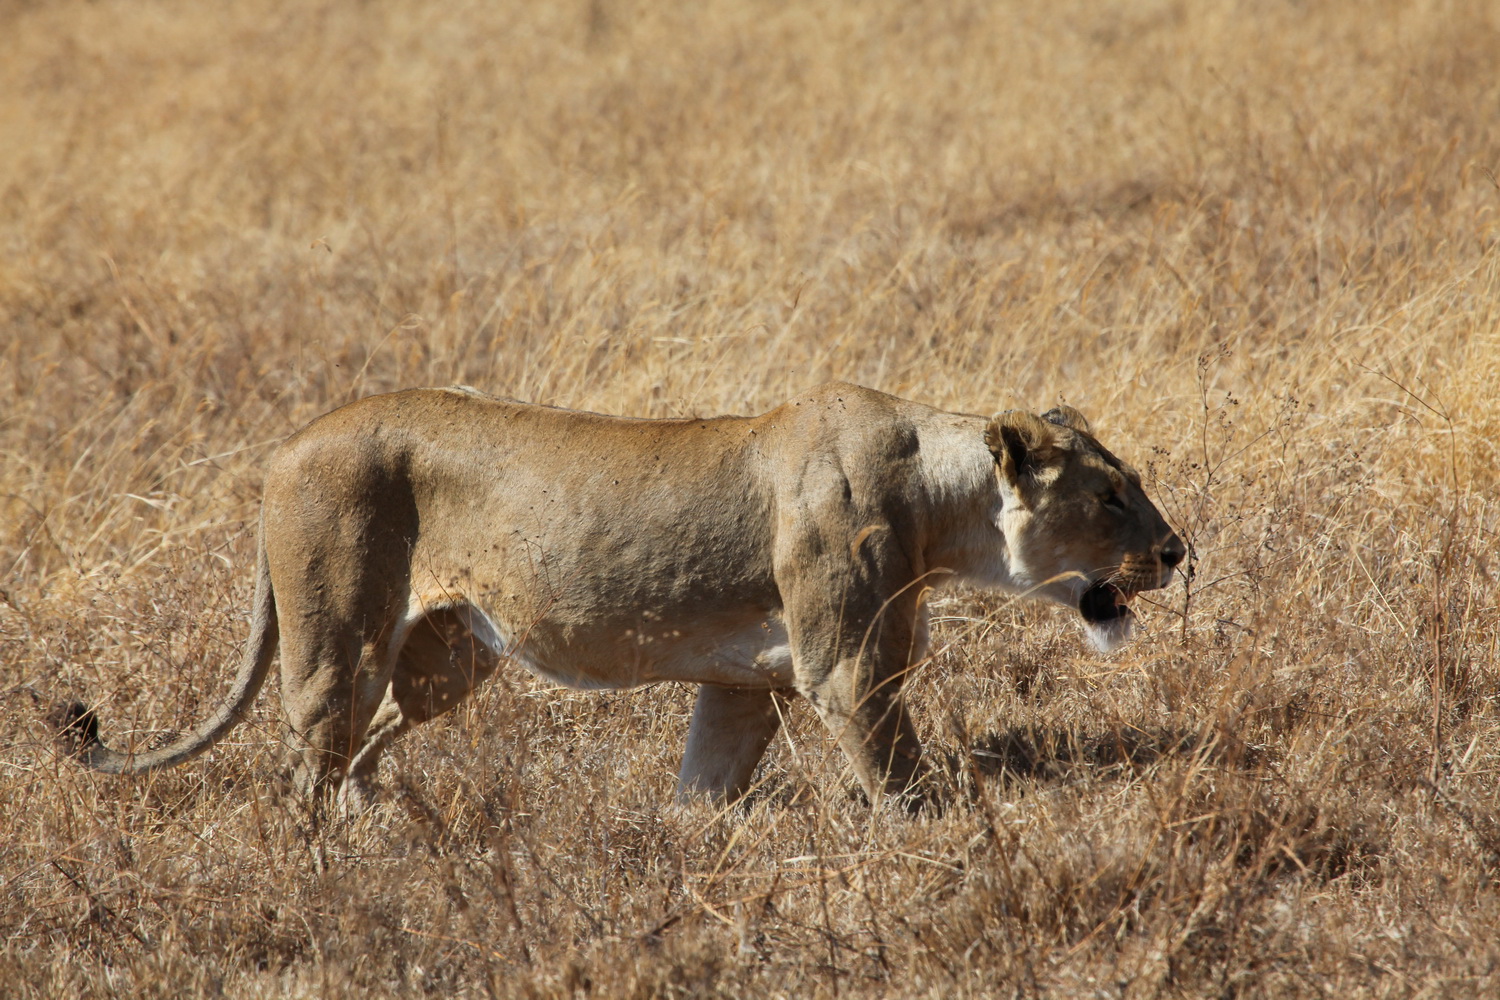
1104, 602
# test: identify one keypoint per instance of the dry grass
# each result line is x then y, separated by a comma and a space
1255, 242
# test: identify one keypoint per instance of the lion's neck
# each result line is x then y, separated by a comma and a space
964, 504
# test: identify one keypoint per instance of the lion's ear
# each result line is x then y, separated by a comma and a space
1021, 442
1065, 416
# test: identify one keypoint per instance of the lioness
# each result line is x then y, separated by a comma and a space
411, 542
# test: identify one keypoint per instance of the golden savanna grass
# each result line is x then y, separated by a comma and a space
1256, 242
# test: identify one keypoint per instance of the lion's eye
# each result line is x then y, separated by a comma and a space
1113, 501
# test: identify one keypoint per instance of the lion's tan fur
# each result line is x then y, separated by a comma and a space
413, 542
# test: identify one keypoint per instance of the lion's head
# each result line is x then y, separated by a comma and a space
1079, 527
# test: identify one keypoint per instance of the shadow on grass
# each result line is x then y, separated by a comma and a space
1270, 831
1055, 754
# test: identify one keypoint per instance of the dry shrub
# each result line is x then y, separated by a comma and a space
1255, 243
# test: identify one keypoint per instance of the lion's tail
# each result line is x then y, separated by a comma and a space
80, 726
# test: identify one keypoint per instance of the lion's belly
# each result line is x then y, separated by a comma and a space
756, 655
742, 651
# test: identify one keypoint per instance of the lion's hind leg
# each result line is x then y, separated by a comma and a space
443, 656
331, 685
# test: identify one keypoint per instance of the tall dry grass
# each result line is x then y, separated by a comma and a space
1254, 241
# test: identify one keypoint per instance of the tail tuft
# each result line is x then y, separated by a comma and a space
77, 727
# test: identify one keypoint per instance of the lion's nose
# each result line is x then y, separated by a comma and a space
1172, 552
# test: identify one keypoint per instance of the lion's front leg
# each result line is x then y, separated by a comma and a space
729, 734
857, 624
873, 728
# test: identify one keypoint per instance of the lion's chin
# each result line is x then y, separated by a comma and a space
1107, 616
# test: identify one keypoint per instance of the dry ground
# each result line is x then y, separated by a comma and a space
1255, 241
